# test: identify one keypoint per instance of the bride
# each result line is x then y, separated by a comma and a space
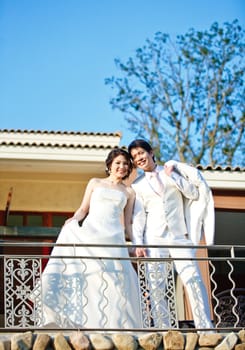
88, 287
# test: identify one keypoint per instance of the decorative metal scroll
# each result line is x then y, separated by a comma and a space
22, 284
157, 291
231, 308
228, 305
21, 277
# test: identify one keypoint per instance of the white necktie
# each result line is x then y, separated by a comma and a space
156, 183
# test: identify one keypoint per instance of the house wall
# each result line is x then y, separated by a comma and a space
44, 192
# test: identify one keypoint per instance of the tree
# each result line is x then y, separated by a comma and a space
187, 97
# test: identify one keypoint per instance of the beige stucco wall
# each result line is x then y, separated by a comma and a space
44, 192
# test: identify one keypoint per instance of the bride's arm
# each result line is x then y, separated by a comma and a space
128, 213
82, 211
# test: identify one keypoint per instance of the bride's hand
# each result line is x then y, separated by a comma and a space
69, 220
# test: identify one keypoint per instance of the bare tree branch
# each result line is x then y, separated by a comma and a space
187, 96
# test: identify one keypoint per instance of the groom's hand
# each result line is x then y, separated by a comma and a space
140, 252
168, 169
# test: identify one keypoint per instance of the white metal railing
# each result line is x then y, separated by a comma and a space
22, 301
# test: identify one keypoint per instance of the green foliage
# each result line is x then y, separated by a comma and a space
187, 96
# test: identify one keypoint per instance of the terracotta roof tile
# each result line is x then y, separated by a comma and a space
81, 145
56, 145
59, 132
220, 168
58, 139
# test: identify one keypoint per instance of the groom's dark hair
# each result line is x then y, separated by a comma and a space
140, 143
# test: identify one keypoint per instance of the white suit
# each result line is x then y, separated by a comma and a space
199, 214
166, 220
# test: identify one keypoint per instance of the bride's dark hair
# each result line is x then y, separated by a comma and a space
115, 153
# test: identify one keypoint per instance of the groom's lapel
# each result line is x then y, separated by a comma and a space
145, 183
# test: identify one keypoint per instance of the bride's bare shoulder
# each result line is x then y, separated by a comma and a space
130, 191
96, 181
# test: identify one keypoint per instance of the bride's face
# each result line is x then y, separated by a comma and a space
119, 167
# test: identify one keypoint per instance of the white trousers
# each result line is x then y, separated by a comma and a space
190, 276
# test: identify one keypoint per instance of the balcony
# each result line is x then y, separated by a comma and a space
22, 265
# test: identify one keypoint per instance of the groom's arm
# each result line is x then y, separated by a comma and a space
186, 187
138, 227
139, 220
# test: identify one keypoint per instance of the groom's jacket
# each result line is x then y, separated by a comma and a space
186, 207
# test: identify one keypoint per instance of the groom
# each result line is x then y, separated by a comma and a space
165, 201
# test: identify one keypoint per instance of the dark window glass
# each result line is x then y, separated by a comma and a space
58, 220
15, 220
34, 220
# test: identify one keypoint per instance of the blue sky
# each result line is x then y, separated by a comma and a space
56, 54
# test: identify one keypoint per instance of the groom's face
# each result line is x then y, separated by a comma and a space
142, 159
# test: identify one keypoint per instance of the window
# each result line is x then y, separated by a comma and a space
32, 219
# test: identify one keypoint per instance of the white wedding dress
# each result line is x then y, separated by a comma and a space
86, 292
